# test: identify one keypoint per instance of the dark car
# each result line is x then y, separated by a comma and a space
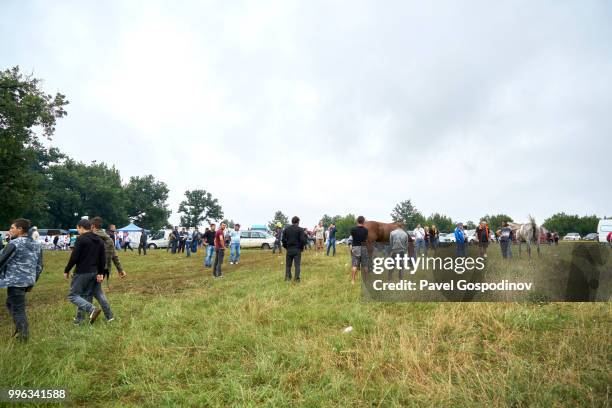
593, 236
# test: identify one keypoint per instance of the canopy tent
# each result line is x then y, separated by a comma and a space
130, 228
134, 231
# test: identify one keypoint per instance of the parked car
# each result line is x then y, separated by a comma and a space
158, 240
446, 238
256, 239
572, 236
593, 236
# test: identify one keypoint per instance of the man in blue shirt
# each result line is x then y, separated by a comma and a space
460, 240
331, 239
235, 245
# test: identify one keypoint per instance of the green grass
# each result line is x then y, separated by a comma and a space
184, 339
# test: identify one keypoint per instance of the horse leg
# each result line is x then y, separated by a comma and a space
529, 248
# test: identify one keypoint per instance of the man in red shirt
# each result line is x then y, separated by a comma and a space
219, 250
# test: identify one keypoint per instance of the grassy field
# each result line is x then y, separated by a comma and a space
184, 339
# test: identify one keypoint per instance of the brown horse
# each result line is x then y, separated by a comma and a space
379, 232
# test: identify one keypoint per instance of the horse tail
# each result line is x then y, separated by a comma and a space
536, 230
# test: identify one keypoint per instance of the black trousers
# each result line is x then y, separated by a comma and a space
293, 255
219, 254
143, 247
16, 305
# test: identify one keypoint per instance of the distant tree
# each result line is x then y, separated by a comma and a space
470, 225
408, 214
344, 225
442, 222
278, 217
76, 189
25, 109
564, 223
230, 223
199, 206
495, 221
328, 220
146, 201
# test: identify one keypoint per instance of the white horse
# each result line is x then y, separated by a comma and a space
529, 233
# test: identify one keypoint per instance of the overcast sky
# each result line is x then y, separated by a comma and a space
314, 107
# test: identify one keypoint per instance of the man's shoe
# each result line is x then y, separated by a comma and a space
94, 315
112, 319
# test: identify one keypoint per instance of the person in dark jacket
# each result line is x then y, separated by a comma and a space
143, 241
89, 259
110, 255
209, 239
20, 268
294, 241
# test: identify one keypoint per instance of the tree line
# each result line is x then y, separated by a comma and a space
53, 190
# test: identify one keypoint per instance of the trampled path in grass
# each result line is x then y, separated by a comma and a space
182, 338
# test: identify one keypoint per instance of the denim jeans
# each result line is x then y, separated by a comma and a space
188, 248
99, 295
506, 248
293, 255
331, 244
219, 254
210, 250
461, 249
234, 251
277, 245
16, 305
82, 288
420, 244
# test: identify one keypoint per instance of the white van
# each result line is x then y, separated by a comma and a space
603, 229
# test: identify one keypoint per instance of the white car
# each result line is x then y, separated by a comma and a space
572, 236
256, 239
158, 240
446, 238
470, 236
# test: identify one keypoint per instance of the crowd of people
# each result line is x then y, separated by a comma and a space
95, 250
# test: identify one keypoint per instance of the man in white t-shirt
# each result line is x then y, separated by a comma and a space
419, 238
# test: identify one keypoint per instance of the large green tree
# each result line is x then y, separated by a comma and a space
76, 189
146, 202
24, 110
495, 221
408, 214
344, 225
441, 221
199, 206
279, 217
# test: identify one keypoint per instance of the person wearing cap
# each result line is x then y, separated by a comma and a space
278, 232
460, 240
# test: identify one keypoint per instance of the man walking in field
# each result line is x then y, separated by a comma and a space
460, 240
278, 232
235, 245
319, 232
294, 241
20, 267
143, 242
331, 239
505, 240
89, 259
110, 255
398, 242
219, 250
482, 235
209, 239
419, 237
359, 250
